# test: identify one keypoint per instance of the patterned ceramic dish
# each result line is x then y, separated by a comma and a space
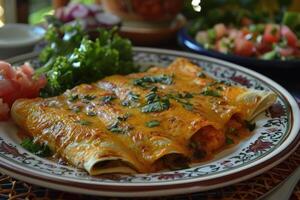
275, 137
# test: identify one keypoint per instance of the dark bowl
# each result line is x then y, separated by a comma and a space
189, 43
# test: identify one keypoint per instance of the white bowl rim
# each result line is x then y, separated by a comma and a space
26, 42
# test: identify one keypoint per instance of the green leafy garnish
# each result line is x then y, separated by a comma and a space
146, 80
155, 103
181, 98
89, 97
76, 109
72, 97
152, 123
250, 126
71, 57
210, 92
42, 150
131, 98
114, 127
83, 122
229, 140
107, 98
158, 106
185, 95
201, 75
152, 97
188, 106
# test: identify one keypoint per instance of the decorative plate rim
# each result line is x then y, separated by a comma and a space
131, 189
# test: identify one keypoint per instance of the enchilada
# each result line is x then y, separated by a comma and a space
143, 122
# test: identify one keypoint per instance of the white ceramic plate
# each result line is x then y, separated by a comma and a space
275, 137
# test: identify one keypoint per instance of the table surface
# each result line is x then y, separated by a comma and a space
250, 189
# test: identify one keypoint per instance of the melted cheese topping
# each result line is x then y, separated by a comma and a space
138, 119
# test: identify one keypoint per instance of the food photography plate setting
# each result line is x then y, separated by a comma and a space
153, 99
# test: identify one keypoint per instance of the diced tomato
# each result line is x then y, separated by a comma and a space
6, 70
263, 47
244, 47
4, 111
289, 35
220, 30
246, 21
26, 69
233, 33
288, 51
17, 83
272, 33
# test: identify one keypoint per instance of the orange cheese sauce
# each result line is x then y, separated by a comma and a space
109, 118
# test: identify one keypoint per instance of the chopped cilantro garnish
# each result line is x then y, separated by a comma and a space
188, 106
250, 126
180, 98
229, 140
116, 128
152, 123
83, 122
146, 80
107, 98
209, 92
201, 75
153, 89
157, 106
131, 98
89, 97
185, 95
124, 117
72, 97
42, 150
220, 88
152, 97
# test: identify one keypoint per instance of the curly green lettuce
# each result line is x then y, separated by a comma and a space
71, 57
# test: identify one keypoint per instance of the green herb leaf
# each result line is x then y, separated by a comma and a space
131, 98
229, 141
115, 127
250, 126
146, 80
107, 98
157, 106
201, 75
209, 92
89, 97
180, 98
72, 97
42, 150
185, 95
83, 122
152, 123
152, 97
188, 106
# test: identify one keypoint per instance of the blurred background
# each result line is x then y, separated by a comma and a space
33, 11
